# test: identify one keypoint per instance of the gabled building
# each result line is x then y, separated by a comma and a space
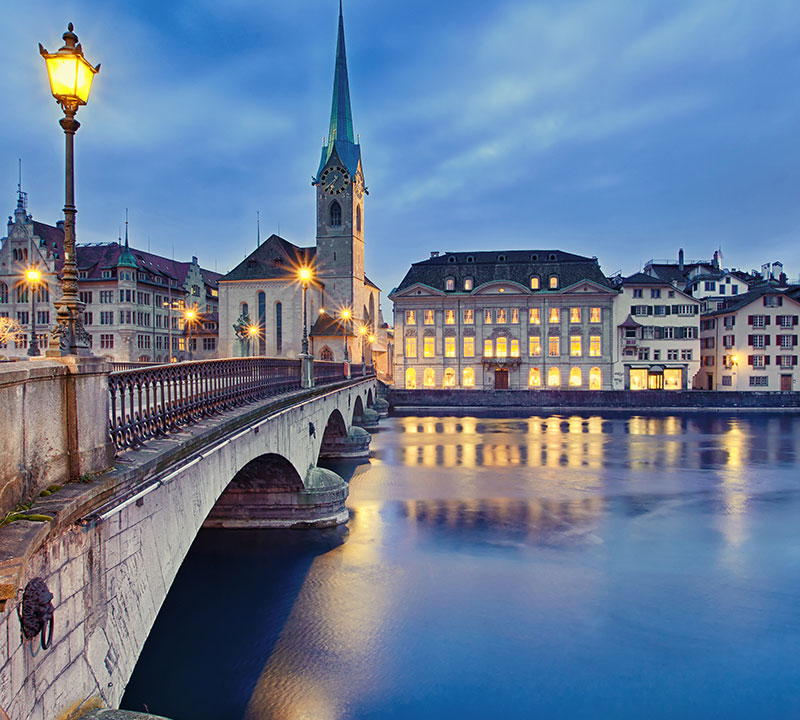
750, 343
518, 319
657, 330
263, 291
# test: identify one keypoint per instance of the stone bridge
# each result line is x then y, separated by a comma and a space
190, 453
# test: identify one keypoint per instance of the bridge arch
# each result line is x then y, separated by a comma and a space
358, 408
370, 399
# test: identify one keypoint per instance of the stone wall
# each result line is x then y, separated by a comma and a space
44, 439
601, 399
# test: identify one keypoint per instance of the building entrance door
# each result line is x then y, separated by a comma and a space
501, 379
786, 383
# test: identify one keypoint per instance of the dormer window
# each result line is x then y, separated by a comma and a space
449, 284
535, 282
468, 283
501, 258
470, 259
451, 259
553, 282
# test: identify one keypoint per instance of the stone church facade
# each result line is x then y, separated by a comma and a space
263, 291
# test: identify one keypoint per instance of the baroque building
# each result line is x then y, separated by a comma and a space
518, 319
263, 290
134, 300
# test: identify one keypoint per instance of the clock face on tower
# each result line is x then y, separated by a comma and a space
334, 180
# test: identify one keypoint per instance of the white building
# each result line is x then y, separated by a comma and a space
751, 342
657, 344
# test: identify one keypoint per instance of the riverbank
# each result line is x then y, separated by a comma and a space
414, 401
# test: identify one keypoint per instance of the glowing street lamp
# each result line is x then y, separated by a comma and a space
190, 316
346, 317
33, 277
252, 331
305, 276
71, 78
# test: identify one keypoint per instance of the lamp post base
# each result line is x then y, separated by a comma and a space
307, 370
69, 337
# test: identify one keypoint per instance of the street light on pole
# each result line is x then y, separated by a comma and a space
252, 331
305, 275
346, 318
71, 78
33, 276
190, 315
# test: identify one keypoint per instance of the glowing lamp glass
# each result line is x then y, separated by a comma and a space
346, 314
70, 77
305, 274
362, 330
33, 275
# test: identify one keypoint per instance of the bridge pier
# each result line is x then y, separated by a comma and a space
353, 445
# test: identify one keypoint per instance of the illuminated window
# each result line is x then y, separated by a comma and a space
449, 284
429, 379
574, 315
487, 348
595, 315
487, 317
502, 316
575, 377
534, 378
515, 348
554, 346
554, 315
553, 378
673, 378
411, 347
534, 346
534, 283
514, 316
449, 317
575, 345
428, 317
468, 284
469, 316
502, 347
411, 317
595, 347
638, 379
534, 316
449, 378
411, 378
553, 282
595, 379
449, 347
469, 347
469, 377
428, 346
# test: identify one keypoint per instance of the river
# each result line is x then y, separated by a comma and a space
575, 566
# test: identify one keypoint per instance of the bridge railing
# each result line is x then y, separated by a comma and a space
157, 400
327, 372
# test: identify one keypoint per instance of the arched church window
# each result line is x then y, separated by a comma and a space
279, 327
336, 214
358, 218
326, 354
3, 292
262, 322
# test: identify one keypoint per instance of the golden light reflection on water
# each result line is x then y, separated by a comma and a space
734, 486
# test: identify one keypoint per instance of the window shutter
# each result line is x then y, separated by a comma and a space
750, 360
649, 309
666, 309
767, 320
794, 359
749, 319
794, 340
794, 319
780, 301
766, 359
750, 340
674, 309
766, 340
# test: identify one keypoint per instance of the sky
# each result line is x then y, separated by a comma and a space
622, 129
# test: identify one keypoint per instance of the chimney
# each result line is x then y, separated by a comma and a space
765, 271
60, 225
434, 253
194, 259
680, 259
715, 260
777, 269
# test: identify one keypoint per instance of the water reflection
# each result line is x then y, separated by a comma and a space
554, 566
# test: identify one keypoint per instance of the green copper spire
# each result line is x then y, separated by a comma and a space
340, 135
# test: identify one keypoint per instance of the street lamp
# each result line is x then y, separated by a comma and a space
190, 316
71, 78
346, 318
363, 331
33, 276
252, 331
305, 275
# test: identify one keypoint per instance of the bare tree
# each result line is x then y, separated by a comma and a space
10, 330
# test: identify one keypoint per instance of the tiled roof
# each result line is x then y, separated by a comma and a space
272, 260
643, 279
512, 265
328, 326
737, 302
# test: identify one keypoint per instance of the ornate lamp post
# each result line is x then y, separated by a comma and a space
363, 331
252, 331
305, 275
33, 276
191, 316
71, 78
346, 318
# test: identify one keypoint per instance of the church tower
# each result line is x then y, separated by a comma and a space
340, 191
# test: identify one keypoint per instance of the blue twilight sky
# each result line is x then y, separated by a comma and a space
618, 128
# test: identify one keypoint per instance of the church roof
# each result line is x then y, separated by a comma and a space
340, 134
513, 265
272, 260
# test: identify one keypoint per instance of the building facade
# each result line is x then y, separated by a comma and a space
750, 343
343, 305
521, 319
135, 301
657, 342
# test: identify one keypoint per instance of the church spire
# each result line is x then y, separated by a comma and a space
340, 134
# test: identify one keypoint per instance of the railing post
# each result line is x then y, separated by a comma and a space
306, 370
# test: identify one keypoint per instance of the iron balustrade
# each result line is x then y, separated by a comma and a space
327, 372
157, 400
